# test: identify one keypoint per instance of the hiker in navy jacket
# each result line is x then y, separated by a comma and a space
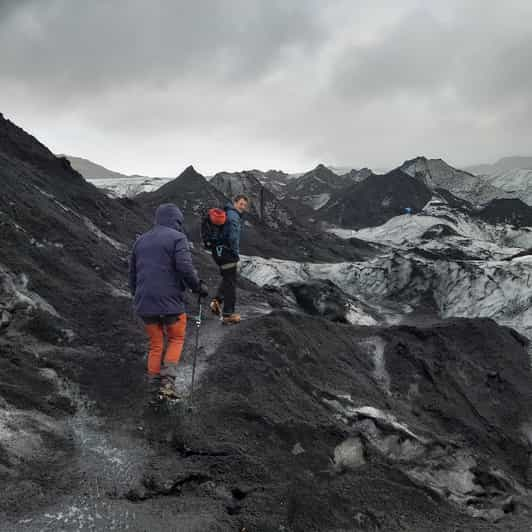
160, 271
225, 301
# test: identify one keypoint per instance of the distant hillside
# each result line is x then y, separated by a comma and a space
373, 201
316, 187
502, 165
436, 173
90, 170
513, 175
509, 211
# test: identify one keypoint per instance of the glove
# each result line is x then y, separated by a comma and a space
203, 291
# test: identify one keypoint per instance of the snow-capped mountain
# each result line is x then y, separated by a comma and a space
436, 173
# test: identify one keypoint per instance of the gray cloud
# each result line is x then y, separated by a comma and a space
83, 46
285, 83
413, 57
423, 56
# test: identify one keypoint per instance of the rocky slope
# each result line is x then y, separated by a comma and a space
274, 180
375, 200
190, 191
315, 187
507, 211
270, 229
331, 427
264, 204
62, 302
356, 176
371, 414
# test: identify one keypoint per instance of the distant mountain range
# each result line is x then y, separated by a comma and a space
505, 164
271, 229
510, 177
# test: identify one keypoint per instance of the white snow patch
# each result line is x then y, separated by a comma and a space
317, 202
130, 186
349, 454
385, 418
17, 295
101, 235
55, 200
115, 291
356, 316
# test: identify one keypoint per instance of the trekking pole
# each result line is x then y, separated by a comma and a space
196, 349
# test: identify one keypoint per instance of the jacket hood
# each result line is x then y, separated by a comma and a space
169, 215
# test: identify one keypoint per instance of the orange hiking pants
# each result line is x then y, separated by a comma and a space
175, 334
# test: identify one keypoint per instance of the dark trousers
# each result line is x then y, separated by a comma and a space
227, 289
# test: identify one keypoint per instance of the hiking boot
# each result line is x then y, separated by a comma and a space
231, 319
170, 394
216, 307
167, 389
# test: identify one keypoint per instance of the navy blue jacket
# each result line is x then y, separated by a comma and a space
161, 267
232, 230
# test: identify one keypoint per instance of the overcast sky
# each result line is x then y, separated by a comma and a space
150, 87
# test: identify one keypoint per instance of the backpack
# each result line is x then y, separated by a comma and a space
212, 229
